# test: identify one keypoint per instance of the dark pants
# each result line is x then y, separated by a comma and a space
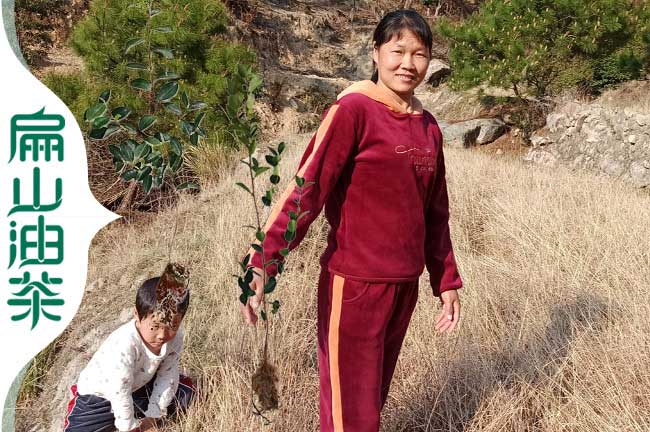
361, 327
90, 413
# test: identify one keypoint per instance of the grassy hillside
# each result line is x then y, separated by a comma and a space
554, 334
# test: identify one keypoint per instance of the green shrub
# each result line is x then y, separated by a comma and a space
540, 47
202, 58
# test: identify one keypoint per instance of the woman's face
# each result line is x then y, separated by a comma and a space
402, 63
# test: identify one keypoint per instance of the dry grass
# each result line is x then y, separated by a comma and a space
554, 335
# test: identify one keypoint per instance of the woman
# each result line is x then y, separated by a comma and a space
378, 168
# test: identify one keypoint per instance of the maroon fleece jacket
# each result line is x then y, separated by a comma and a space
380, 174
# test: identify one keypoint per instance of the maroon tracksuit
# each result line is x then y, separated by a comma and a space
380, 174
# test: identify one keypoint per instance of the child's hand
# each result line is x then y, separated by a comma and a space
448, 317
257, 285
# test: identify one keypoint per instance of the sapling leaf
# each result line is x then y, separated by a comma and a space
291, 226
281, 147
260, 235
275, 179
284, 252
188, 185
270, 285
276, 306
256, 247
300, 181
243, 186
263, 315
289, 235
132, 43
105, 96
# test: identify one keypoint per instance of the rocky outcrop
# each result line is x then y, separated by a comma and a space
611, 141
472, 132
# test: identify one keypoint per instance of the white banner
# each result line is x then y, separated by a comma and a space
49, 217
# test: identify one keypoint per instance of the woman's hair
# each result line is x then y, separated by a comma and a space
145, 299
393, 23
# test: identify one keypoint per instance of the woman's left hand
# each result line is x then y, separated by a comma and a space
450, 314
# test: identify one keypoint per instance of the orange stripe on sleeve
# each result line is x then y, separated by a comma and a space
277, 208
333, 343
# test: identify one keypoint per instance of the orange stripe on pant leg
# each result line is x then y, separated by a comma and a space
320, 134
333, 343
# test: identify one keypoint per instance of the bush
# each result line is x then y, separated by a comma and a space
202, 58
540, 47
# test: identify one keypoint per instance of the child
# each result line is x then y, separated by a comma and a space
378, 168
134, 375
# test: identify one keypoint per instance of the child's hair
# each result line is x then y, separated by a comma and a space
145, 299
393, 23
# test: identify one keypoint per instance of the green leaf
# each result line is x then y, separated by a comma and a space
185, 99
105, 96
194, 139
260, 170
129, 127
291, 226
276, 306
300, 181
142, 150
154, 12
115, 151
136, 66
271, 160
173, 108
284, 252
243, 299
257, 247
147, 183
188, 185
289, 235
111, 130
141, 84
292, 215
266, 201
198, 119
177, 148
280, 267
255, 83
250, 103
263, 315
187, 127
146, 171
197, 105
153, 141
243, 186
167, 91
146, 122
260, 235
95, 111
164, 52
281, 147
97, 134
132, 43
275, 179
165, 29
129, 175
127, 149
166, 75
120, 113
270, 285
175, 162
101, 121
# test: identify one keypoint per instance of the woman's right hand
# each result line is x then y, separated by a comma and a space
254, 302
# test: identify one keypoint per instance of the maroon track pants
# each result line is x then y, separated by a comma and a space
361, 327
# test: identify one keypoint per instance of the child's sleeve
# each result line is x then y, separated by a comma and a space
439, 254
119, 388
166, 383
327, 154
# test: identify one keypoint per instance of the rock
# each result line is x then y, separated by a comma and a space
539, 141
640, 174
460, 135
472, 132
631, 139
612, 167
491, 129
436, 73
